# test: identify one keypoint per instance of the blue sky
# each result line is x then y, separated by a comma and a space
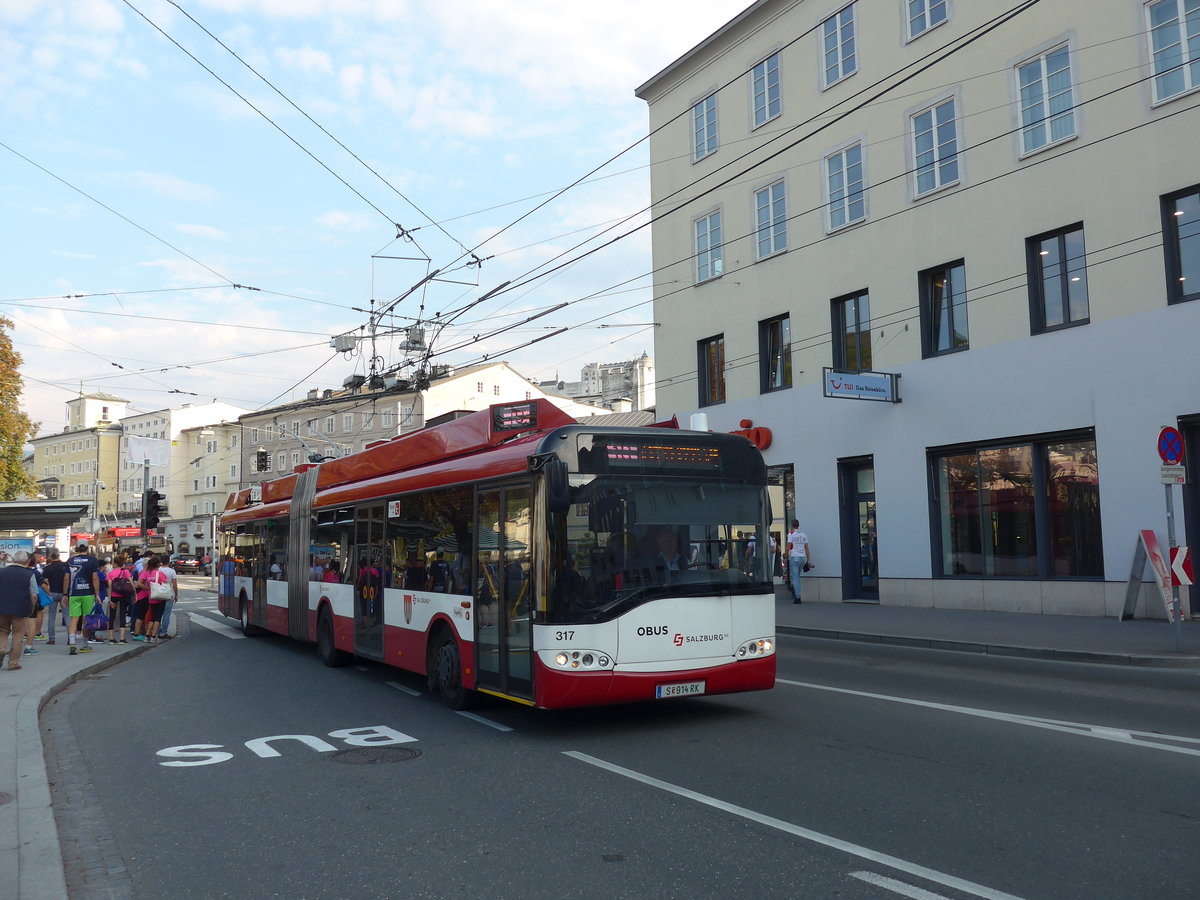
469, 113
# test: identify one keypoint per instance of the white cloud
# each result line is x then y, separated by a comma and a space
306, 59
170, 186
204, 231
340, 220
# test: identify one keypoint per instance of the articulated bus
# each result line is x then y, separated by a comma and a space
519, 553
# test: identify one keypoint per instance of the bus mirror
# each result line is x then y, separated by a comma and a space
558, 488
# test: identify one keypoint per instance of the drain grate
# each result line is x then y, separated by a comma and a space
370, 756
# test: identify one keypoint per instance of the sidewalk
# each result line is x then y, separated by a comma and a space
1139, 642
31, 864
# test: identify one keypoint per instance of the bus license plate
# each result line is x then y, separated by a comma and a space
683, 689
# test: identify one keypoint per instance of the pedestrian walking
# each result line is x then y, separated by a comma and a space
18, 597
33, 624
84, 590
799, 559
120, 598
159, 589
56, 576
168, 605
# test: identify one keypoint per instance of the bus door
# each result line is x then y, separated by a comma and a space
503, 591
367, 569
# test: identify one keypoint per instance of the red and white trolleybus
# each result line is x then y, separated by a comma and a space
520, 553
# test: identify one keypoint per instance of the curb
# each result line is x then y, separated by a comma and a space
1080, 656
37, 829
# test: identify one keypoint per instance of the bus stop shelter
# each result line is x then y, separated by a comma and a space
40, 515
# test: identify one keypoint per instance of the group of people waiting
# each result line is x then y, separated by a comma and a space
122, 598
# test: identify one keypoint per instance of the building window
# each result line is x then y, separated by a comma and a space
764, 80
195, 485
295, 427
348, 422
254, 435
770, 219
233, 471
281, 460
923, 15
368, 419
210, 481
943, 309
1047, 108
495, 390
844, 181
388, 417
1174, 46
837, 45
852, 332
775, 353
1022, 510
709, 261
295, 458
479, 387
1181, 244
329, 424
1057, 279
935, 147
704, 127
711, 370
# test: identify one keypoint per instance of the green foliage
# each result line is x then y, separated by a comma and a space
15, 427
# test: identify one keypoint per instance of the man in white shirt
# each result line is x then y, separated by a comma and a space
798, 556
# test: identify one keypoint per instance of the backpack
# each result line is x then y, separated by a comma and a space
121, 585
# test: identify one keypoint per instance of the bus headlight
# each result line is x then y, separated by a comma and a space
590, 660
755, 648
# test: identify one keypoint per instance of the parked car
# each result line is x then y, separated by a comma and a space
186, 564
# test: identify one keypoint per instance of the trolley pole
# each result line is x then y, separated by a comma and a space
145, 493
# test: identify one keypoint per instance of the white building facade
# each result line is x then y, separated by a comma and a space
992, 218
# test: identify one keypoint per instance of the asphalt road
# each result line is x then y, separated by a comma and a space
868, 772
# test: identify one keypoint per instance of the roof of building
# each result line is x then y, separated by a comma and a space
102, 396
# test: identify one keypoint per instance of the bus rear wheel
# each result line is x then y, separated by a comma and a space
326, 649
445, 671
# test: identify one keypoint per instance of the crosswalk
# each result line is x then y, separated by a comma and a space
203, 611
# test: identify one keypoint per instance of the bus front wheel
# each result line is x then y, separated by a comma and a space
445, 671
247, 629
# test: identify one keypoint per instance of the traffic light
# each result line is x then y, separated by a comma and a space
155, 507
262, 460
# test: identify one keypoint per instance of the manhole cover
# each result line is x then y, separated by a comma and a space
369, 756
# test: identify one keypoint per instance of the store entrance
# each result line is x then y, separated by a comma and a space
860, 557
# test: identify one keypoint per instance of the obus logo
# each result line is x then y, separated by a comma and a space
652, 630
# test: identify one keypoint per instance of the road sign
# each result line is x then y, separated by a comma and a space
1172, 474
1170, 446
1181, 566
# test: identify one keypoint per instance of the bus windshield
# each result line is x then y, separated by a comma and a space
628, 539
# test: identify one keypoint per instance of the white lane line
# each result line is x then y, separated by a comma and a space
403, 689
898, 887
219, 627
476, 718
1149, 740
882, 859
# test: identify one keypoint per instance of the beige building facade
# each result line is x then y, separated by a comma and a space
81, 461
946, 253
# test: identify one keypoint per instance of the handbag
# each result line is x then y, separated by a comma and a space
161, 590
807, 565
96, 620
44, 599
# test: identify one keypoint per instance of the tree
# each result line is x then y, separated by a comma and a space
15, 427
